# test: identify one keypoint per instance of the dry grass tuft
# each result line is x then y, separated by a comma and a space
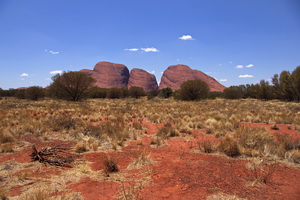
81, 147
293, 156
110, 165
143, 159
3, 193
262, 171
6, 138
229, 147
7, 148
222, 196
167, 132
206, 146
36, 194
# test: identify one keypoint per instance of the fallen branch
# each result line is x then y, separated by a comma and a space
56, 156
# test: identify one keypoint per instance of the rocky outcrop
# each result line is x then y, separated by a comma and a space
108, 75
142, 78
175, 75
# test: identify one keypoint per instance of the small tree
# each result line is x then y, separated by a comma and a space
296, 82
71, 85
34, 93
194, 90
136, 92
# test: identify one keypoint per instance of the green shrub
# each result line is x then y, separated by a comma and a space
34, 93
165, 93
136, 92
96, 92
115, 93
233, 92
194, 90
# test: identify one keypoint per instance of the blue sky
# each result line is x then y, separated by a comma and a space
234, 41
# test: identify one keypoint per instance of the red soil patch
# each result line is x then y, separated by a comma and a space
122, 158
40, 172
15, 191
20, 156
95, 190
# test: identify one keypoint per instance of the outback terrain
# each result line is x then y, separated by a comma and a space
149, 149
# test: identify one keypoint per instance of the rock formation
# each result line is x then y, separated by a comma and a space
108, 75
175, 75
142, 78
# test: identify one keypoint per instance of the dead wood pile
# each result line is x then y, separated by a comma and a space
56, 156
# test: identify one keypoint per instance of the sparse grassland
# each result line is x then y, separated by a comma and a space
105, 128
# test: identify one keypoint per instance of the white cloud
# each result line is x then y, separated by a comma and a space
239, 66
230, 62
24, 74
54, 52
246, 76
223, 80
56, 72
133, 49
250, 65
151, 72
186, 37
208, 72
150, 49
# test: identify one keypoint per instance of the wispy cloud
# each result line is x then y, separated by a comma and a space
133, 49
246, 76
242, 66
223, 80
151, 72
186, 37
150, 49
52, 52
56, 72
24, 75
249, 66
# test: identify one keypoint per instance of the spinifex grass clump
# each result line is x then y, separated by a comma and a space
254, 138
229, 147
110, 165
167, 132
